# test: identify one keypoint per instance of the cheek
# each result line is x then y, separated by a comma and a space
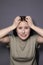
28, 31
18, 31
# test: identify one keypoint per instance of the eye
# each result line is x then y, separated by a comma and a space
26, 27
20, 27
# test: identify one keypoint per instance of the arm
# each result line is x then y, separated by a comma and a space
36, 29
5, 39
40, 39
40, 33
5, 31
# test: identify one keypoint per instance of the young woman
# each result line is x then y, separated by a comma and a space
22, 44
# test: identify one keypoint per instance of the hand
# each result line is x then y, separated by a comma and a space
16, 21
29, 20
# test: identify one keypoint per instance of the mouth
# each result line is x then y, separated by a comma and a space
23, 35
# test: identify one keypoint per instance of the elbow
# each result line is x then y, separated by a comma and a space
5, 40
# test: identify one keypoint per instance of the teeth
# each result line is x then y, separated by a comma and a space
23, 36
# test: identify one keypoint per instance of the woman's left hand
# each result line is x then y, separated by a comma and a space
29, 20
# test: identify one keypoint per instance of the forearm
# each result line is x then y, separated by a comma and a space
3, 41
37, 29
5, 31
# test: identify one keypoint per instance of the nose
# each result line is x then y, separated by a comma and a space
23, 31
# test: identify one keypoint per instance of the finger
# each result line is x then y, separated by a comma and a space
28, 17
18, 17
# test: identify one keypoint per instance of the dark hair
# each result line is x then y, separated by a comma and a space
23, 19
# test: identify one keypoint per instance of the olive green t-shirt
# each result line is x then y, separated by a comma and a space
23, 52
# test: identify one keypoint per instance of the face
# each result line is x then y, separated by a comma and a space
23, 30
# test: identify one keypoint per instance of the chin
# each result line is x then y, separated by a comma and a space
24, 38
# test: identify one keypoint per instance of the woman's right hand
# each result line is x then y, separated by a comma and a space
16, 21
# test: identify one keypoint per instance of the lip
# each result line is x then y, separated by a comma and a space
23, 35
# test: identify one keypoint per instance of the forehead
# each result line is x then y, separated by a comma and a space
23, 23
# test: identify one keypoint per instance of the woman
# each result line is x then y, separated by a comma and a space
22, 46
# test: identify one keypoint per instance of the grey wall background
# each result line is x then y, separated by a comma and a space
9, 9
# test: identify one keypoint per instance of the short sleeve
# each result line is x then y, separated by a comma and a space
34, 40
36, 43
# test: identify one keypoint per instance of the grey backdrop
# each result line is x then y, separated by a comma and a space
9, 9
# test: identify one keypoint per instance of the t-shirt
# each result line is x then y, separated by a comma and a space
23, 52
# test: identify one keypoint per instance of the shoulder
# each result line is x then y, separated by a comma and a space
34, 37
12, 38
34, 40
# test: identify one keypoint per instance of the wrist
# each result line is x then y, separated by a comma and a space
13, 27
32, 26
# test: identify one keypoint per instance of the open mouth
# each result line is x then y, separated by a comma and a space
23, 35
